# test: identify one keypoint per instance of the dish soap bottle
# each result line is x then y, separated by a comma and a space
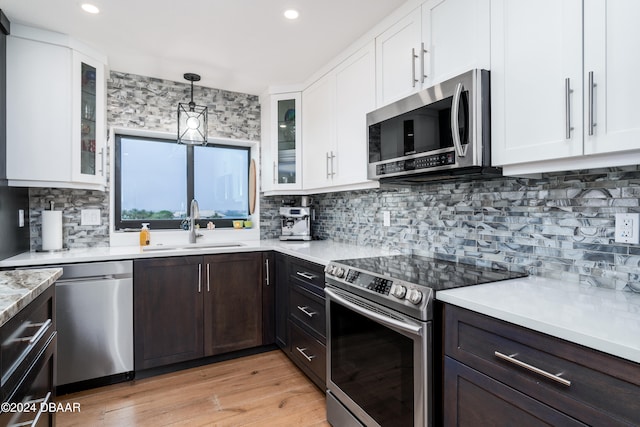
145, 235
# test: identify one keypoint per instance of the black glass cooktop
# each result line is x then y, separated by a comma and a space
429, 272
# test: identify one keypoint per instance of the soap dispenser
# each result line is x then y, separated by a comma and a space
145, 235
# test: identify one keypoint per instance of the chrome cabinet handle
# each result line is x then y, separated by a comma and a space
592, 87
306, 311
199, 278
275, 176
455, 133
208, 277
423, 76
102, 161
42, 328
326, 166
306, 275
302, 352
266, 276
567, 105
333, 156
42, 405
413, 67
512, 359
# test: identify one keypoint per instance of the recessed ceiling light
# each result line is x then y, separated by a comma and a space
90, 8
291, 14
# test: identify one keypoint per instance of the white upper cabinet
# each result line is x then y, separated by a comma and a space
355, 97
456, 35
39, 111
536, 80
437, 41
56, 127
281, 142
88, 126
318, 132
562, 91
334, 123
611, 64
398, 59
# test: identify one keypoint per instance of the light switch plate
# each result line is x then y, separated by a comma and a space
90, 217
627, 228
20, 218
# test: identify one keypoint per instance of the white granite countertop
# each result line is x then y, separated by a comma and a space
318, 251
18, 288
603, 319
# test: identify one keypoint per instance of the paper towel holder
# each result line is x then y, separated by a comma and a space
59, 232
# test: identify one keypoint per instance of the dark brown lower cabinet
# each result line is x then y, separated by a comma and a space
300, 315
195, 306
168, 321
474, 399
28, 349
233, 302
500, 374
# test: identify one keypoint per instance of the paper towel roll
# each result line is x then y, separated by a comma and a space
51, 230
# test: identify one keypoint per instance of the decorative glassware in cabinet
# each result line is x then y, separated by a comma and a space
88, 120
286, 173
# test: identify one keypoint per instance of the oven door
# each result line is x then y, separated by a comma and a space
378, 363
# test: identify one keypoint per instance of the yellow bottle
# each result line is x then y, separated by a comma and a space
145, 235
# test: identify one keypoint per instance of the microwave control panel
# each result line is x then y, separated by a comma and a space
418, 163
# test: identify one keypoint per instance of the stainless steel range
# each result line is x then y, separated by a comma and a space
379, 336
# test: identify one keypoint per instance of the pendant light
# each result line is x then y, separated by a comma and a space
192, 119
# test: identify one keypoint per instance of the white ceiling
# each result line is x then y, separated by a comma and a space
237, 45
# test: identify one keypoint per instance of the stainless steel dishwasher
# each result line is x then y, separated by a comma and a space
94, 310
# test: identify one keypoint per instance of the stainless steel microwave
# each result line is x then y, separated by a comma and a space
438, 133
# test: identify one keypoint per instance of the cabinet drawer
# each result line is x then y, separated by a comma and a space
308, 309
36, 389
598, 389
307, 272
473, 399
309, 354
24, 336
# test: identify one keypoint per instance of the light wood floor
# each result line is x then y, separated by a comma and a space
260, 390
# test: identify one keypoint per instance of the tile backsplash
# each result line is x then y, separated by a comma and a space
560, 225
147, 103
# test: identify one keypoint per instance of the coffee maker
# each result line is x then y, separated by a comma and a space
296, 223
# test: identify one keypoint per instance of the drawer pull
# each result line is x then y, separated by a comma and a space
35, 337
305, 310
42, 404
531, 368
302, 352
307, 276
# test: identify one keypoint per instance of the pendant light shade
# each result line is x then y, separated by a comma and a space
192, 119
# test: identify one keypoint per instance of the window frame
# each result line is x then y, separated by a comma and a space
167, 224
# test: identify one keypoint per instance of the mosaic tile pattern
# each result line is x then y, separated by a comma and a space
141, 102
559, 226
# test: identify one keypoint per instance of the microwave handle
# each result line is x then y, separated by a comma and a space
455, 108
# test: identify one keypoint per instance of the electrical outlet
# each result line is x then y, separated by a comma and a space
90, 217
386, 218
627, 228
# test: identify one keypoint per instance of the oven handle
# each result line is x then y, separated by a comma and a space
412, 329
455, 131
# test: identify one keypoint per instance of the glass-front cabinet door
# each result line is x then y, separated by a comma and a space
89, 131
285, 141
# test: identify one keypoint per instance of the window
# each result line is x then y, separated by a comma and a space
155, 180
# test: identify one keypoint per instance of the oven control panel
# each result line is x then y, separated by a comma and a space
375, 283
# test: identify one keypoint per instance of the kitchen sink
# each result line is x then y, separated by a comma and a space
192, 246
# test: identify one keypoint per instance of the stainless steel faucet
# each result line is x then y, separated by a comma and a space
194, 214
